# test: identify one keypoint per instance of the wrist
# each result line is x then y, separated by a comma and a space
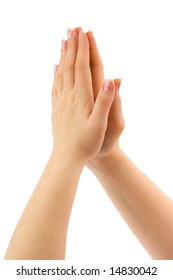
102, 161
67, 158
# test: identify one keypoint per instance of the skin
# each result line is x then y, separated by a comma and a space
145, 208
79, 123
87, 123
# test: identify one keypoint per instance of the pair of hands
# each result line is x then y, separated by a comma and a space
87, 117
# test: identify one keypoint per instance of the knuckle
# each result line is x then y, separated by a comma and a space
97, 66
121, 125
105, 99
60, 75
68, 66
53, 92
78, 66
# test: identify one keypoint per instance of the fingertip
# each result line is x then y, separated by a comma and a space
80, 35
89, 33
83, 40
77, 29
108, 85
91, 39
104, 101
117, 83
63, 44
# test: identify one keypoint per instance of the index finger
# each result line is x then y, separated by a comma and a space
82, 66
96, 65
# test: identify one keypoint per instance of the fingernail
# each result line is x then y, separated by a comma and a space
69, 33
55, 68
108, 85
119, 83
63, 44
80, 34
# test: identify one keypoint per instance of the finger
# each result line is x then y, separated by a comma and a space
55, 68
59, 71
70, 58
117, 107
82, 68
117, 99
96, 65
117, 83
103, 103
53, 87
77, 30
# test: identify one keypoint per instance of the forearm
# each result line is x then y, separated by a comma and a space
42, 229
145, 208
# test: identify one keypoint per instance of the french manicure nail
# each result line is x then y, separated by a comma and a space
80, 34
63, 44
108, 85
55, 68
69, 33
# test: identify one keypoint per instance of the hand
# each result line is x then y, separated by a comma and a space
79, 121
116, 122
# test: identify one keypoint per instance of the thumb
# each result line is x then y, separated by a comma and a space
103, 102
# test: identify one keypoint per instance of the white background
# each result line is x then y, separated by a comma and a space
135, 42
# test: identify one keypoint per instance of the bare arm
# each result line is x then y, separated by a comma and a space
42, 230
79, 127
145, 208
